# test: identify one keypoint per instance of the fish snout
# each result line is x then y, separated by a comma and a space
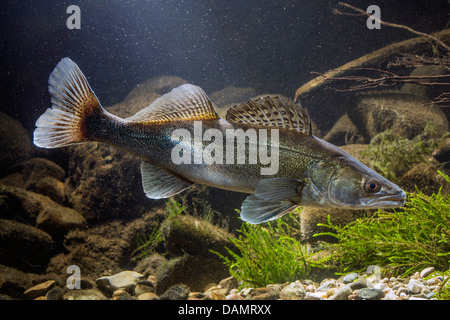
392, 200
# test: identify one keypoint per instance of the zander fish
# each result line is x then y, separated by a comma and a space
182, 141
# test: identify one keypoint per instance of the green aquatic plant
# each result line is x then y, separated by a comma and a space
443, 292
392, 155
173, 208
403, 241
269, 253
148, 243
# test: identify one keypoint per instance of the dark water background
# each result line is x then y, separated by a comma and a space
270, 45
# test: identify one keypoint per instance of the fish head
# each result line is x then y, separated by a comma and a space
347, 183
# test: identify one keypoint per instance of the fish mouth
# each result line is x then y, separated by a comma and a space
384, 202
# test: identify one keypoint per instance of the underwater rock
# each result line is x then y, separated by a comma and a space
406, 115
185, 233
105, 247
125, 280
369, 294
293, 291
424, 176
105, 183
349, 278
150, 264
426, 272
148, 296
24, 247
18, 203
176, 292
342, 293
423, 91
58, 221
88, 294
14, 282
51, 188
414, 286
144, 286
194, 271
38, 168
229, 284
271, 292
39, 175
344, 132
442, 153
15, 144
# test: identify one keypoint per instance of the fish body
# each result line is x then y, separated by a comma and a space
264, 147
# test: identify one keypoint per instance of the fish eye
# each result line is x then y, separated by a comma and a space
372, 186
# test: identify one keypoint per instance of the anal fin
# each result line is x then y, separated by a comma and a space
159, 184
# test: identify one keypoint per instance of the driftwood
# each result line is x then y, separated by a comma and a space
373, 58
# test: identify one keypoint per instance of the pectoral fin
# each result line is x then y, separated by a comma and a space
278, 189
159, 184
255, 210
272, 199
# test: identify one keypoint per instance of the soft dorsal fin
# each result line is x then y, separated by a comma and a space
186, 102
272, 112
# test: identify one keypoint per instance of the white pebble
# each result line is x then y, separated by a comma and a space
379, 286
391, 296
310, 288
414, 286
426, 272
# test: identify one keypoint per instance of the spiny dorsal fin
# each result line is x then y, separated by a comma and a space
186, 102
272, 112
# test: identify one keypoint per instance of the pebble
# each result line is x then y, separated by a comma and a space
148, 296
426, 272
349, 278
293, 291
316, 295
414, 286
125, 280
39, 290
359, 284
267, 293
342, 293
369, 294
327, 284
130, 285
391, 296
143, 288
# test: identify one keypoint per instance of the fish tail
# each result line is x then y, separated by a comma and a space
74, 104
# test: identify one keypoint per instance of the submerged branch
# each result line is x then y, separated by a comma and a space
387, 78
390, 24
379, 56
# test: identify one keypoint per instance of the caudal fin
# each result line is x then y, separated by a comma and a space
73, 102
